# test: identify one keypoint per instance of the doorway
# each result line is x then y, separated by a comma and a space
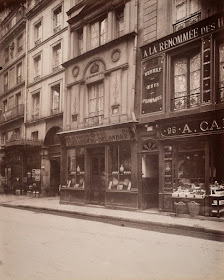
150, 180
55, 176
97, 179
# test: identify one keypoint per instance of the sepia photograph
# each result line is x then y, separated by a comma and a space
111, 139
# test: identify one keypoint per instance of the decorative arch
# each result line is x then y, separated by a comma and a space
94, 66
51, 137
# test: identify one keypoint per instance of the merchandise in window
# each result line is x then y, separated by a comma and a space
76, 169
119, 168
187, 81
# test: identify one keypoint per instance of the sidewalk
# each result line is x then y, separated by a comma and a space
150, 220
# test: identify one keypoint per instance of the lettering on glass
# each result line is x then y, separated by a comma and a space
152, 90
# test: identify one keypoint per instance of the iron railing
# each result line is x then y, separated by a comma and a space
93, 121
13, 113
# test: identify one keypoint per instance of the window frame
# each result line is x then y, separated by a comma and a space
218, 41
38, 32
37, 57
97, 112
35, 115
55, 110
56, 66
57, 27
187, 53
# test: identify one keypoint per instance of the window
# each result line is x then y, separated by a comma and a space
34, 135
6, 80
57, 19
20, 43
37, 67
17, 133
80, 41
76, 168
187, 80
19, 73
18, 99
120, 21
55, 99
57, 58
36, 105
11, 102
98, 32
96, 93
3, 138
5, 105
6, 54
187, 12
38, 33
220, 97
120, 167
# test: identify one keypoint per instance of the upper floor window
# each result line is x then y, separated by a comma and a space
11, 102
187, 12
220, 96
37, 32
6, 81
19, 73
57, 19
55, 99
5, 105
96, 94
34, 135
57, 57
37, 67
120, 21
20, 43
98, 32
18, 99
187, 81
6, 54
35, 105
80, 40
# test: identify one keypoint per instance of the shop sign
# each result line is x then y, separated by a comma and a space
97, 137
192, 127
36, 174
182, 36
152, 90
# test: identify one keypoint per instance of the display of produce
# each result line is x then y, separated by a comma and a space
189, 190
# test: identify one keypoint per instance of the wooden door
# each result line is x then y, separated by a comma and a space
97, 179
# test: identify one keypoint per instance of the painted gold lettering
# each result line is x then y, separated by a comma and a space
204, 126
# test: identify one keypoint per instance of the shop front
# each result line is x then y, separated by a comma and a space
192, 155
100, 167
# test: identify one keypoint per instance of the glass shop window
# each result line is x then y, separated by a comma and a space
191, 168
76, 168
120, 167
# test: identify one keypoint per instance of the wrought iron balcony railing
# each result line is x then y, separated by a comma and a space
13, 113
185, 102
55, 111
187, 21
93, 121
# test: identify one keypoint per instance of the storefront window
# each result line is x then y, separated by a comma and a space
76, 173
120, 167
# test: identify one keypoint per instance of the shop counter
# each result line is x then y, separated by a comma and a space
72, 195
122, 198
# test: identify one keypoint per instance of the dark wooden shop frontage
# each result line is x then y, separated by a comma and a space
99, 166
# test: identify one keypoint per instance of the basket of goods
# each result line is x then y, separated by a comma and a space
194, 208
180, 207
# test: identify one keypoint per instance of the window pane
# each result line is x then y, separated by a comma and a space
95, 35
100, 104
103, 31
181, 9
180, 77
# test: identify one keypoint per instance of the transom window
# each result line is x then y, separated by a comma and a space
187, 80
96, 93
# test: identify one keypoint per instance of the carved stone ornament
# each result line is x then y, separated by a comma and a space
115, 56
75, 71
94, 68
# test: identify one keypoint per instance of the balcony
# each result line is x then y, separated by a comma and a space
186, 102
6, 87
18, 140
36, 78
20, 48
57, 29
187, 21
11, 114
35, 116
93, 121
18, 79
55, 111
38, 41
